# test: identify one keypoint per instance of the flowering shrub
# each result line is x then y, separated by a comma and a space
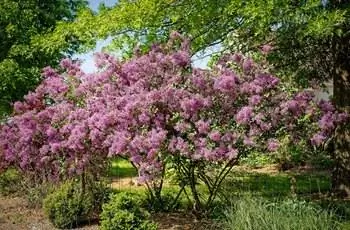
157, 108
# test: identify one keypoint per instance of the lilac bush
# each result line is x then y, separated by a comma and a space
154, 109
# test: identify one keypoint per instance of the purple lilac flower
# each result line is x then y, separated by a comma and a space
215, 135
203, 126
266, 49
318, 139
326, 123
226, 83
237, 58
254, 100
247, 65
273, 145
248, 141
244, 115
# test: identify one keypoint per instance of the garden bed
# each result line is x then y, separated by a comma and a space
17, 215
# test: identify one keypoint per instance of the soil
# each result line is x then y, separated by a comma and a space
16, 214
126, 183
181, 221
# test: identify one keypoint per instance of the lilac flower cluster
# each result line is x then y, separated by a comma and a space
151, 106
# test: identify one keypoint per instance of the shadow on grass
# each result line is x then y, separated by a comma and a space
121, 168
277, 185
339, 207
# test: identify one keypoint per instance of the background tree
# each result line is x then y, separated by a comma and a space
21, 60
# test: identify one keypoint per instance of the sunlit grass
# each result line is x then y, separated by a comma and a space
121, 168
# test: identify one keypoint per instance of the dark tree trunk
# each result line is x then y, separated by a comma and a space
341, 83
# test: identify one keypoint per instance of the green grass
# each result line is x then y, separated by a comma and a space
346, 225
263, 186
340, 207
256, 160
312, 187
121, 168
241, 182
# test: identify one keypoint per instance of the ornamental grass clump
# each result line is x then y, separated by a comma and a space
260, 214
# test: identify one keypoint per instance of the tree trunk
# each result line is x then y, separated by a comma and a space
341, 83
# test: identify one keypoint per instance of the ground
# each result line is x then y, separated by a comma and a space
17, 215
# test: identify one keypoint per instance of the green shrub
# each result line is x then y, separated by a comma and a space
169, 201
100, 193
322, 160
36, 193
257, 214
291, 155
124, 212
257, 160
10, 182
68, 206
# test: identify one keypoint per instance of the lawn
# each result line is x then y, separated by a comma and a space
121, 168
312, 186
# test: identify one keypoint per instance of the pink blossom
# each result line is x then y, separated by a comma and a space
244, 115
248, 141
237, 58
254, 100
247, 65
226, 83
318, 139
202, 126
215, 135
273, 145
266, 49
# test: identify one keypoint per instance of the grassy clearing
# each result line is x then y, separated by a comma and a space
310, 186
247, 182
121, 168
279, 184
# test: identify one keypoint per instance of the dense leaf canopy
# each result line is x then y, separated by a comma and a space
20, 60
300, 31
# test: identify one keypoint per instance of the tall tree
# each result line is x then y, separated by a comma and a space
21, 60
310, 40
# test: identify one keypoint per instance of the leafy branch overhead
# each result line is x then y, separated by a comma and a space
21, 60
